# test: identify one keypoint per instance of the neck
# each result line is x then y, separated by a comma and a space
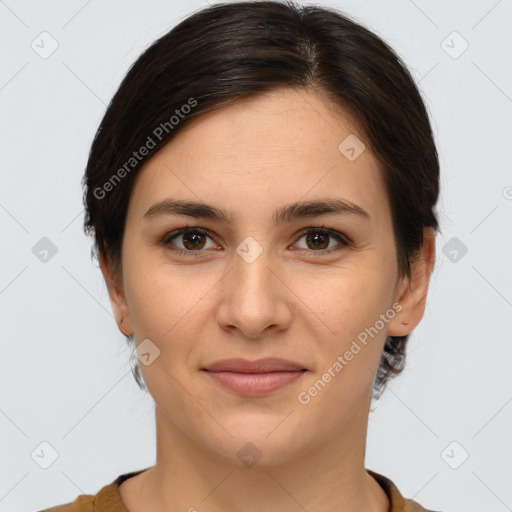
327, 477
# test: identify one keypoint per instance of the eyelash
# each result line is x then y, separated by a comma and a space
343, 240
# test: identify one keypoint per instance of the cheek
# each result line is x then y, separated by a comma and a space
349, 304
169, 305
160, 297
343, 300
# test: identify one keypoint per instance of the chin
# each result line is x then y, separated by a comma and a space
259, 440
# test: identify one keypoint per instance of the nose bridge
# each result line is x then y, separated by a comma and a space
251, 271
252, 303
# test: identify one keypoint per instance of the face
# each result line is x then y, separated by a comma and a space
242, 278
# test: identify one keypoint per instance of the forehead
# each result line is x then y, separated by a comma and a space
268, 149
281, 120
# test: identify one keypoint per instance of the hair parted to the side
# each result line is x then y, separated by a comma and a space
229, 51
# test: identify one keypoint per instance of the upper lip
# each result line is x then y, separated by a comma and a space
265, 365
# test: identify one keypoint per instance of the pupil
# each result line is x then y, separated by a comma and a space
188, 236
314, 236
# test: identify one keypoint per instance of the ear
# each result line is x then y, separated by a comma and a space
116, 294
411, 292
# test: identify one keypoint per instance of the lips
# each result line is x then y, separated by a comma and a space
254, 378
266, 365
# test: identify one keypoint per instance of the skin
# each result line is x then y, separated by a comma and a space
251, 158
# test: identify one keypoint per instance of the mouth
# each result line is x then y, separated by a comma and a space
254, 378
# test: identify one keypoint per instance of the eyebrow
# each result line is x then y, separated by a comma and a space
287, 213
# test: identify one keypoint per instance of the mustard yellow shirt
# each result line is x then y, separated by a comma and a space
108, 499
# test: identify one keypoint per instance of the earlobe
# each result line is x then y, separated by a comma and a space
116, 295
412, 292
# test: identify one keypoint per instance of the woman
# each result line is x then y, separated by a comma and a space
261, 191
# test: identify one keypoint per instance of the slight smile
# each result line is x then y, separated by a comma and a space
254, 378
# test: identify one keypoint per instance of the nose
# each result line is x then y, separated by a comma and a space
255, 296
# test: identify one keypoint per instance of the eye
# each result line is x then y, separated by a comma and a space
192, 240
318, 238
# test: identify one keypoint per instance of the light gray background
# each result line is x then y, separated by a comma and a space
64, 365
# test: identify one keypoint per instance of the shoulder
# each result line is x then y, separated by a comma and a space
83, 503
398, 503
108, 498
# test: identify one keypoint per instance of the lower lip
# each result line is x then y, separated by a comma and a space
255, 384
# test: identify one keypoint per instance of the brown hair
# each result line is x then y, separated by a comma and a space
229, 51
